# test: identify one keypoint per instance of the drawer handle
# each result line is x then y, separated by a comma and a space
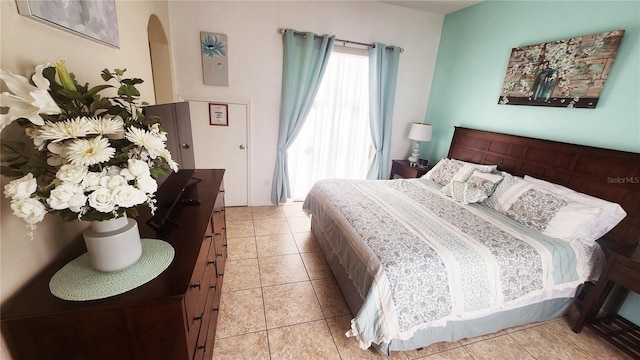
225, 245
222, 190
196, 318
212, 286
214, 309
208, 236
221, 255
195, 285
211, 262
201, 347
217, 234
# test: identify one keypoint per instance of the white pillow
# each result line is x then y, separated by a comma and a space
551, 213
610, 215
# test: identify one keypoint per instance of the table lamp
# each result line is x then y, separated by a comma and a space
418, 132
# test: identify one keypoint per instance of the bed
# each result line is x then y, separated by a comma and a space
418, 264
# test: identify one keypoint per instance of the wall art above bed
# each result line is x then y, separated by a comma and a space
566, 73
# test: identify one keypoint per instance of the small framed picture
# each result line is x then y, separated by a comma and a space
218, 114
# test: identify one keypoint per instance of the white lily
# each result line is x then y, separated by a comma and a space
25, 100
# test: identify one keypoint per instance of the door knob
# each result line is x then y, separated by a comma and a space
185, 146
242, 147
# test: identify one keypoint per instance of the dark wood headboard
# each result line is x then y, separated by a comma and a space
607, 174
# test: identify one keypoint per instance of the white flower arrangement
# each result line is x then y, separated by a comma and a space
97, 157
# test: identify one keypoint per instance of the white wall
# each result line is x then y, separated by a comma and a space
25, 43
255, 61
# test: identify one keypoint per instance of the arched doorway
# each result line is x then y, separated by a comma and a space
160, 55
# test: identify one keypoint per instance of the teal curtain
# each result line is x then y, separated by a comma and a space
305, 59
383, 74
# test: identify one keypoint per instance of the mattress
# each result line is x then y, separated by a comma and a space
417, 267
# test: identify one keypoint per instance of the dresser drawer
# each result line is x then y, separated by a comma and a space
220, 199
196, 294
220, 246
212, 325
202, 346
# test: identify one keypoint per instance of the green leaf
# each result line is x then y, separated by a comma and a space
133, 81
128, 90
68, 215
69, 94
106, 75
132, 212
10, 172
9, 148
18, 163
157, 172
50, 74
96, 89
119, 72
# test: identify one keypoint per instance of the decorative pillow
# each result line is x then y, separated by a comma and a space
444, 171
435, 169
508, 184
609, 214
448, 170
553, 214
486, 182
463, 192
477, 187
535, 209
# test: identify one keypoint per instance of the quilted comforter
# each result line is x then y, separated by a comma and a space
429, 259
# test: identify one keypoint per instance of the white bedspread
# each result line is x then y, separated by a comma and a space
430, 259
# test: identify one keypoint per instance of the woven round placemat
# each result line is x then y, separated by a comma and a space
78, 281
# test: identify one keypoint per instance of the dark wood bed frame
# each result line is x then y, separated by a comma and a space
607, 174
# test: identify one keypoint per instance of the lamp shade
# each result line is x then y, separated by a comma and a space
420, 132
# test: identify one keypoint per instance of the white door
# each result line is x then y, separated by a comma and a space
223, 147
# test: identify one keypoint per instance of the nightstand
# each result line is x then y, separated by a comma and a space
622, 268
403, 169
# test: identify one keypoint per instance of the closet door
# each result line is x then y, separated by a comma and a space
223, 147
177, 123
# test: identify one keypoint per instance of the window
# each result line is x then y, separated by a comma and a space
335, 140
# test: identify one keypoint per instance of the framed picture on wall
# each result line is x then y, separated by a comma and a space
215, 58
218, 114
95, 20
566, 73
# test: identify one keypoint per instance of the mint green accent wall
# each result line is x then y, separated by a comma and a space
472, 59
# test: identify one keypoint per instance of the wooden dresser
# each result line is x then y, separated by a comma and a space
172, 317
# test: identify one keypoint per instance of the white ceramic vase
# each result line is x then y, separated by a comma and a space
113, 245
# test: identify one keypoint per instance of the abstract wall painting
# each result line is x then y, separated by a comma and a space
214, 49
567, 73
95, 20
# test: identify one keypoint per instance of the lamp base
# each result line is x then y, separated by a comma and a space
415, 150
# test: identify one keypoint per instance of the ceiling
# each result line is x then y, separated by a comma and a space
443, 7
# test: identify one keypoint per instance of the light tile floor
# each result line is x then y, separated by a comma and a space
280, 301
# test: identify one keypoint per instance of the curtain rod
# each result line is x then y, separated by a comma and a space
297, 33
